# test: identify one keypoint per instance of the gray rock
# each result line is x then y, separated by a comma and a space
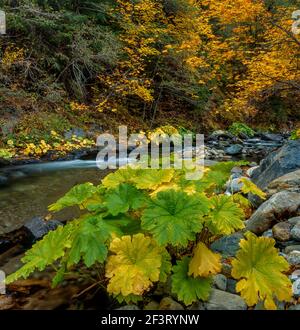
168, 304
272, 137
221, 300
268, 233
282, 231
38, 227
251, 170
278, 163
235, 149
278, 206
234, 185
289, 181
220, 282
295, 232
237, 170
231, 285
296, 288
294, 221
294, 308
291, 248
227, 245
294, 258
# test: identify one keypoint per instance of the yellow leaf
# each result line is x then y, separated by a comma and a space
250, 187
260, 271
204, 262
134, 266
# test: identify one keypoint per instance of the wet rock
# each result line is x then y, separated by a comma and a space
231, 286
278, 163
293, 258
279, 206
221, 300
168, 304
291, 248
295, 232
234, 149
220, 282
289, 181
38, 227
282, 231
272, 137
227, 245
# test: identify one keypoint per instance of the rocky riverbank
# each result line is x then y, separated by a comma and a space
277, 217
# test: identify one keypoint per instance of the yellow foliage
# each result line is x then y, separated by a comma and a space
204, 262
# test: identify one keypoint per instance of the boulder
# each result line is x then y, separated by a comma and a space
272, 137
278, 163
221, 300
289, 181
234, 149
279, 207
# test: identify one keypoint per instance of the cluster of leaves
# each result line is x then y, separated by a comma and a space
295, 134
149, 225
240, 128
6, 153
54, 143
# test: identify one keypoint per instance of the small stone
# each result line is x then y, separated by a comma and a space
291, 248
295, 232
296, 288
220, 282
236, 170
168, 304
294, 258
295, 275
268, 233
152, 306
231, 286
282, 231
226, 269
221, 300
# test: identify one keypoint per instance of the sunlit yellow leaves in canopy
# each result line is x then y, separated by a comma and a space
259, 269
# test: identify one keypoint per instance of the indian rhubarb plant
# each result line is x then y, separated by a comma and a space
150, 226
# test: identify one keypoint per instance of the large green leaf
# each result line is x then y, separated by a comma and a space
90, 241
189, 289
78, 195
123, 198
225, 217
45, 252
174, 217
260, 270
